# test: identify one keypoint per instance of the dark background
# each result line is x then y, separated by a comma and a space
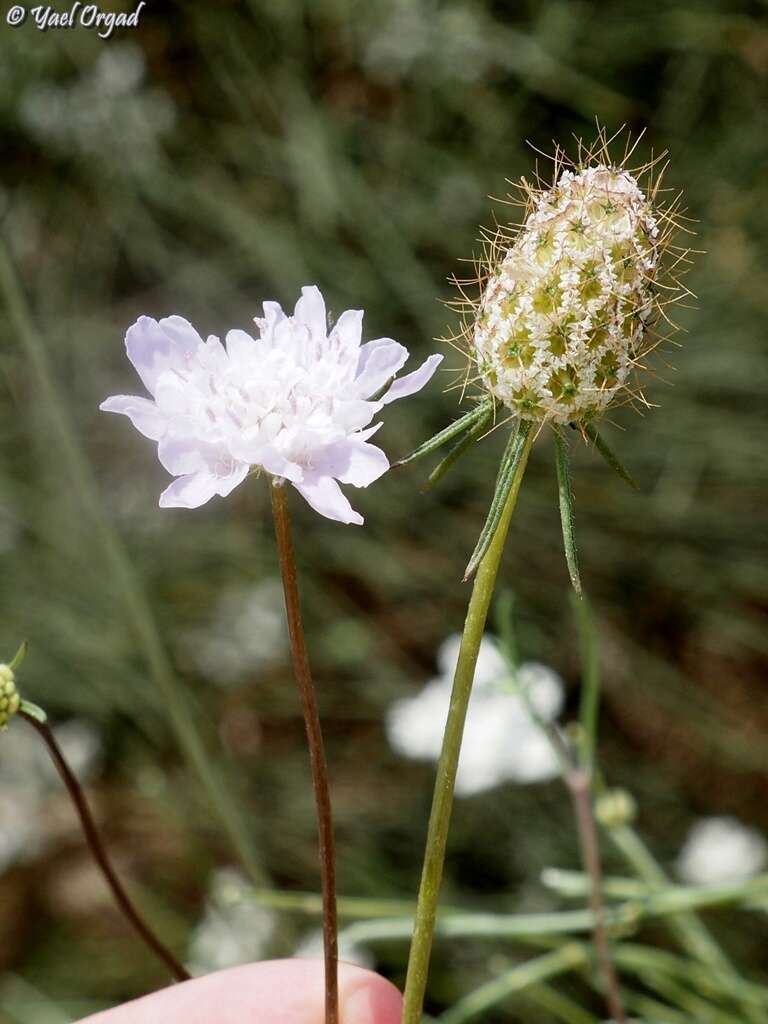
226, 153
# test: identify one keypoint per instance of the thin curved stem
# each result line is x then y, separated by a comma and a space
99, 851
577, 781
442, 801
316, 748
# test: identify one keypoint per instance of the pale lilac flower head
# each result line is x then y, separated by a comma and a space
295, 402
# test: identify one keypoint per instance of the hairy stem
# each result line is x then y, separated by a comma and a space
442, 801
316, 749
99, 851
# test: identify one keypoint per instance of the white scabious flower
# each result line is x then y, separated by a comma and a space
562, 320
296, 402
234, 929
501, 741
721, 849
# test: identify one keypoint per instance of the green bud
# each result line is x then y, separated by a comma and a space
615, 808
9, 697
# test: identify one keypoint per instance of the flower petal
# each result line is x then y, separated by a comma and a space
143, 414
326, 497
355, 414
190, 491
348, 330
273, 315
379, 361
154, 347
257, 452
240, 346
412, 382
310, 310
227, 483
182, 456
352, 461
194, 489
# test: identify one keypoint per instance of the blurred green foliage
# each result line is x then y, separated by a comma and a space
224, 154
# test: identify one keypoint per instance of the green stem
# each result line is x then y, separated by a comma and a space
317, 759
442, 801
561, 1007
690, 931
520, 977
590, 682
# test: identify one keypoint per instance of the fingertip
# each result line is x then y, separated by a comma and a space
367, 998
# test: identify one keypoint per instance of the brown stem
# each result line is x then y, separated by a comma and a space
99, 852
316, 750
579, 788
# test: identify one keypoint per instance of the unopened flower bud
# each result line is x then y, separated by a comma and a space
615, 808
9, 697
562, 321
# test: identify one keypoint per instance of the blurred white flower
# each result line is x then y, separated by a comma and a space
234, 929
28, 780
246, 633
296, 403
107, 111
501, 742
311, 947
721, 849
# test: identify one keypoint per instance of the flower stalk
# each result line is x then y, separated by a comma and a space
578, 784
96, 845
442, 801
316, 747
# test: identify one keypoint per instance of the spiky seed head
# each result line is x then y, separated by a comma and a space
571, 297
563, 317
9, 697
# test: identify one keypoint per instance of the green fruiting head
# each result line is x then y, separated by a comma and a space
568, 299
9, 697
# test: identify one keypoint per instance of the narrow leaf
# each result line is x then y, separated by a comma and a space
504, 482
19, 656
34, 711
462, 445
565, 494
465, 422
609, 456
